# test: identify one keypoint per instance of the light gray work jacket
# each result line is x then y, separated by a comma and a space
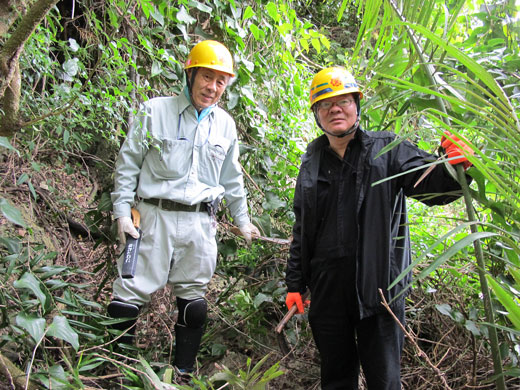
173, 153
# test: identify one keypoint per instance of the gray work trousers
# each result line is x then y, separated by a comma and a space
178, 248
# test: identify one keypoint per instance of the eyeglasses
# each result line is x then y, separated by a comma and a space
341, 103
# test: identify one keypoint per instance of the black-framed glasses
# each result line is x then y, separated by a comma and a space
344, 103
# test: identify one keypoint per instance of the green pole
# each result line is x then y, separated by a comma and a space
481, 267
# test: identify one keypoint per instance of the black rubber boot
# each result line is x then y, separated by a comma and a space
119, 309
187, 343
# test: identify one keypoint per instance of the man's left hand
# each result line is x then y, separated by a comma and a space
455, 152
249, 232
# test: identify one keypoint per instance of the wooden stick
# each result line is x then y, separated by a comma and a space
292, 311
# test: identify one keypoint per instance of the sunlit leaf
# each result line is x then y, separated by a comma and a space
248, 13
272, 11
184, 17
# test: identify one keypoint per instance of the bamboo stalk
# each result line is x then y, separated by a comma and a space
481, 267
461, 177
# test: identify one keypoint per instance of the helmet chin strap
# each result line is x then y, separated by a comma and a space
345, 133
349, 131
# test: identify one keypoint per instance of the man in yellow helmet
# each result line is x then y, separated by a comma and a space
176, 164
350, 237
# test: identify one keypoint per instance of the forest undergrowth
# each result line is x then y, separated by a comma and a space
439, 354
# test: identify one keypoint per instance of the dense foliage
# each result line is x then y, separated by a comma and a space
424, 66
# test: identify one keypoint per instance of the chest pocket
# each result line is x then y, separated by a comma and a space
214, 153
170, 158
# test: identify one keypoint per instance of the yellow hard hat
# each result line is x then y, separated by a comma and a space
210, 54
331, 82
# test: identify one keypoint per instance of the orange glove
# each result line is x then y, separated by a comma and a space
453, 150
296, 298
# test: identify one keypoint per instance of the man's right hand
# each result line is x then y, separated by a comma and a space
294, 298
125, 225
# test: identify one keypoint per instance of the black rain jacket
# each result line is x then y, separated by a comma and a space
383, 247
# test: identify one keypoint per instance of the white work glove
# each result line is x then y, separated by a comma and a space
125, 225
249, 232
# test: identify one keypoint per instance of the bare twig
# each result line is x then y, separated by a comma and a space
420, 352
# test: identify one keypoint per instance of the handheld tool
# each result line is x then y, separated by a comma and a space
279, 241
131, 249
280, 336
292, 311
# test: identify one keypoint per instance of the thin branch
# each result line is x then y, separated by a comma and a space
410, 337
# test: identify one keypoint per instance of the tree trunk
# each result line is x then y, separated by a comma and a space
9, 12
10, 80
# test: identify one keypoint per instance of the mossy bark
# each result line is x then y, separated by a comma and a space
10, 77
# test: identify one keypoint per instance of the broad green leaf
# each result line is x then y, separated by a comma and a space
272, 202
156, 68
473, 328
151, 376
66, 136
515, 273
13, 245
22, 179
248, 13
257, 33
261, 298
444, 309
145, 6
61, 329
113, 18
58, 378
4, 142
35, 326
73, 45
272, 11
511, 303
316, 44
29, 282
11, 213
233, 98
184, 17
105, 203
248, 93
284, 28
157, 16
71, 67
200, 6
218, 349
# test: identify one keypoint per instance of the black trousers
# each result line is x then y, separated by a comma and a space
344, 341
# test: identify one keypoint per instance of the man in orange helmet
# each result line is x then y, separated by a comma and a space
176, 164
350, 237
